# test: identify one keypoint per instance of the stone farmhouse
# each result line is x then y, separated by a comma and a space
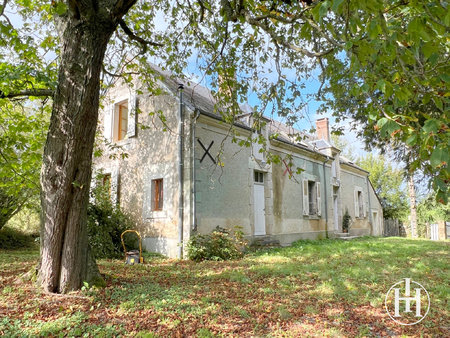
184, 173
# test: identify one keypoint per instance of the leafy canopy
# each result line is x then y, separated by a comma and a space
382, 63
22, 136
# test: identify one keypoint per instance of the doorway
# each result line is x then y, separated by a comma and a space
259, 203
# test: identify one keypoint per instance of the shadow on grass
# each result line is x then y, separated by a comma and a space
328, 287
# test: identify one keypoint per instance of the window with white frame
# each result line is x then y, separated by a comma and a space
360, 211
110, 182
312, 202
120, 119
157, 194
120, 127
259, 177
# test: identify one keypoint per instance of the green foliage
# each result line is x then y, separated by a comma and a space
346, 220
106, 223
343, 145
388, 183
428, 212
26, 221
21, 142
15, 239
220, 245
391, 76
166, 297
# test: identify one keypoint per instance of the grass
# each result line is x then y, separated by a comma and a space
314, 288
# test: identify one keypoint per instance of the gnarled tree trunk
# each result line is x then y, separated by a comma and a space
85, 30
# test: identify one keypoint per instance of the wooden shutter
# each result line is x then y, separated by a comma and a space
319, 199
305, 198
356, 203
363, 205
132, 114
115, 186
108, 123
157, 194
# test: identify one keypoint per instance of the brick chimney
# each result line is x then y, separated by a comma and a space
323, 129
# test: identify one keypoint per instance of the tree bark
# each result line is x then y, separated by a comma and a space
65, 259
412, 205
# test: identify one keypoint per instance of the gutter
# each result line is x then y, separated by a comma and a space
180, 175
370, 207
194, 184
326, 197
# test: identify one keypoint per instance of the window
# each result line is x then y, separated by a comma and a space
312, 198
106, 183
259, 177
359, 203
109, 182
121, 121
157, 194
312, 202
120, 118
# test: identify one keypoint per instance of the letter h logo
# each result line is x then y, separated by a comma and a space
407, 299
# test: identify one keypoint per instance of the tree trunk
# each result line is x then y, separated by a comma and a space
65, 260
412, 205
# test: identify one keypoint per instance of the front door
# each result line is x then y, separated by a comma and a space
375, 223
335, 214
258, 202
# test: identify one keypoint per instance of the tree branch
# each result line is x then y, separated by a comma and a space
3, 6
28, 93
281, 41
134, 37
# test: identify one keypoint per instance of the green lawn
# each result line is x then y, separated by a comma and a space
315, 288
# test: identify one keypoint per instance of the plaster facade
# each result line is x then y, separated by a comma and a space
220, 176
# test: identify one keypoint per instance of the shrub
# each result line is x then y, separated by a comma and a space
15, 239
221, 244
105, 225
346, 221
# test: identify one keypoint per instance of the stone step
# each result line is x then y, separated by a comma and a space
265, 241
348, 237
342, 234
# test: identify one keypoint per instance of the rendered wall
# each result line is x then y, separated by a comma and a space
222, 189
151, 154
351, 178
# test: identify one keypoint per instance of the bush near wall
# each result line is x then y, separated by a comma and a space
220, 245
106, 223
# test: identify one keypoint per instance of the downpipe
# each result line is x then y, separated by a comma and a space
180, 174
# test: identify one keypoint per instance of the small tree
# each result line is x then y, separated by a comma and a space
388, 183
22, 136
346, 220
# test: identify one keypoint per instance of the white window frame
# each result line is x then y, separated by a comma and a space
111, 118
317, 195
359, 201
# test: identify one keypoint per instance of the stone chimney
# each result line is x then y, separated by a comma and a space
323, 129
